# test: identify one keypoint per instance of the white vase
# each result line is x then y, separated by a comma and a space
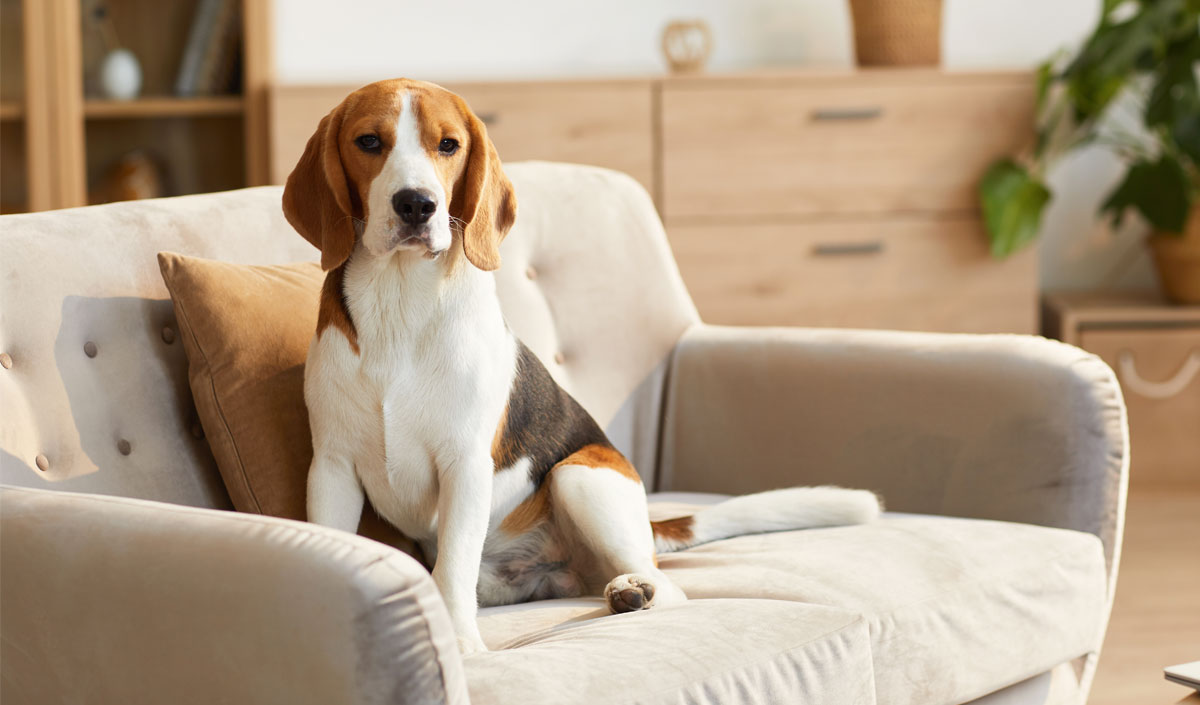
120, 75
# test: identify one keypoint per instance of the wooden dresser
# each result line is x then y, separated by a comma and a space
842, 199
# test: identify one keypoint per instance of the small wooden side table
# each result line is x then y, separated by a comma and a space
1154, 346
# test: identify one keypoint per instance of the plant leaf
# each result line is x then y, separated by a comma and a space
1115, 51
1158, 190
1012, 202
1175, 94
1187, 135
1045, 75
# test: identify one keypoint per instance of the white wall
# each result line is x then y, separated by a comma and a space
365, 40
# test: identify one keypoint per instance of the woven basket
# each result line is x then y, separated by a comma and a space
897, 32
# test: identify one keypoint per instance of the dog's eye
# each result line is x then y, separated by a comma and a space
368, 142
448, 146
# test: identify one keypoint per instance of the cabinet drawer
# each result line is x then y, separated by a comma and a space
854, 146
1159, 371
908, 273
605, 124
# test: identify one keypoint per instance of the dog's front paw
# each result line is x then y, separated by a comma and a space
468, 645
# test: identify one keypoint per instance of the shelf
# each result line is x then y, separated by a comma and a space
157, 107
11, 110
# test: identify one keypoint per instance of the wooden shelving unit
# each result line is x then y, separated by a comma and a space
59, 137
149, 108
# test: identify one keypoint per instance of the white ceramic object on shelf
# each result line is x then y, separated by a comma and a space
120, 75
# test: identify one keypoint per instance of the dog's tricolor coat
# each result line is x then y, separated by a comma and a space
421, 398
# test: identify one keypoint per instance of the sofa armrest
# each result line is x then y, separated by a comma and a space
107, 599
1004, 427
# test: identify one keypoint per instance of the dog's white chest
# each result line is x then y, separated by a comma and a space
402, 480
438, 388
414, 428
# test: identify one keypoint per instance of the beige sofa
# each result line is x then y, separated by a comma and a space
125, 580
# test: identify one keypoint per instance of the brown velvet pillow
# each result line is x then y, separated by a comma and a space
246, 330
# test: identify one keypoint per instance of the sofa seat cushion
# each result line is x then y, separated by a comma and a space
956, 608
724, 651
953, 608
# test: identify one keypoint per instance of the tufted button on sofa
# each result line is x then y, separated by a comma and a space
124, 577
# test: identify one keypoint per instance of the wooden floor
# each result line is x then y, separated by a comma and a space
1156, 615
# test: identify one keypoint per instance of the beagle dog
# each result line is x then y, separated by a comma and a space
421, 398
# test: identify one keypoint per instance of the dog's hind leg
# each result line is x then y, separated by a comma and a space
599, 499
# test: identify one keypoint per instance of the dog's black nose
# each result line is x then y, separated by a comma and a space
414, 206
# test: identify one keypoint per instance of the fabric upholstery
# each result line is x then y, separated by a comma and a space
1004, 427
1058, 686
995, 427
718, 652
88, 275
114, 600
955, 608
850, 615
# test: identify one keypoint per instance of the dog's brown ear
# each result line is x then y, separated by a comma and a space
316, 200
484, 201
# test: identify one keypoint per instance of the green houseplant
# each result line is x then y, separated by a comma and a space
1139, 65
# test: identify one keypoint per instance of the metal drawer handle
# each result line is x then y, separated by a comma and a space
1157, 390
831, 114
838, 249
489, 119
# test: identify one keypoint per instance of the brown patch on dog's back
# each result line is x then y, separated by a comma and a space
602, 455
333, 310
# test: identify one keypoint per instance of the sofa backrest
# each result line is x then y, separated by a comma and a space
94, 392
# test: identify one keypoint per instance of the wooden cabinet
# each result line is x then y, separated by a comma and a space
605, 123
862, 143
904, 272
1154, 348
841, 198
59, 139
845, 200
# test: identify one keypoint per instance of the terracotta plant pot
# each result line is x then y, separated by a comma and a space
1178, 261
897, 32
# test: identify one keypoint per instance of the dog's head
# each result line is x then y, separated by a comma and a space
403, 165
